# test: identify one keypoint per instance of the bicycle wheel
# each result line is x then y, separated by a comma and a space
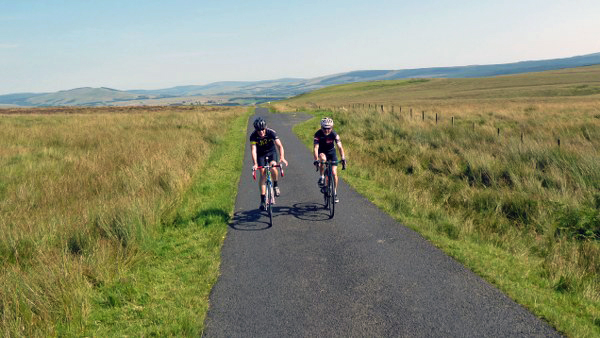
331, 195
325, 191
270, 202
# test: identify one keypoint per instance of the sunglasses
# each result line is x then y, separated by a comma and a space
326, 128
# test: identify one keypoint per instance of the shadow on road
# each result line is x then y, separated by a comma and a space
250, 220
310, 212
255, 220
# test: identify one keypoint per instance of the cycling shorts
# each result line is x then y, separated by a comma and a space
331, 155
261, 160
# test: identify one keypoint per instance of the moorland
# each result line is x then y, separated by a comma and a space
502, 173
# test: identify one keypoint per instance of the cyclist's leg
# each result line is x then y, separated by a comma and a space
262, 182
333, 157
322, 158
274, 157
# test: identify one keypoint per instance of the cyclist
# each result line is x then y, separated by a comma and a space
325, 141
263, 142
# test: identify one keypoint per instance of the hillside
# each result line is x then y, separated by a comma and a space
582, 81
253, 92
81, 96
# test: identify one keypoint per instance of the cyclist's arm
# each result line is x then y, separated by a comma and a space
341, 149
316, 151
281, 152
254, 156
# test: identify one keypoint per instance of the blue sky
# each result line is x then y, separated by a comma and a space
146, 44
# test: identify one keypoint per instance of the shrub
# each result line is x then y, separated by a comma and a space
579, 223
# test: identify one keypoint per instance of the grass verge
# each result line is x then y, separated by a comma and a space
166, 294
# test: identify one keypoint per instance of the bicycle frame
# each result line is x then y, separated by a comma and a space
270, 196
329, 191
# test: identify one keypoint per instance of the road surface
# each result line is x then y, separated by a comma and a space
360, 274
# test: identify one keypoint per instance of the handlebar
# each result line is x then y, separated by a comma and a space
268, 167
316, 163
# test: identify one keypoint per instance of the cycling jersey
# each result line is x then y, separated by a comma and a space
265, 144
326, 142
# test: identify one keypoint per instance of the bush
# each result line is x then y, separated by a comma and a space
579, 223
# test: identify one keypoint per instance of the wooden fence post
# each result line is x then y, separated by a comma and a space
453, 121
423, 114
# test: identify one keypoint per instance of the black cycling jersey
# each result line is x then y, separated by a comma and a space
326, 142
265, 144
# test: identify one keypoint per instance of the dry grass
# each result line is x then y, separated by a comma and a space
497, 177
81, 189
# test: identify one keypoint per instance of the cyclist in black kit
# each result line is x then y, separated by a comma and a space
263, 142
325, 141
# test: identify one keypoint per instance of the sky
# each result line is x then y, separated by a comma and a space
52, 45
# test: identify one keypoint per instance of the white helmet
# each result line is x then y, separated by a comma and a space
327, 122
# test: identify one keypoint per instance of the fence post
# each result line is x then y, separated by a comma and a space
453, 121
521, 137
411, 113
559, 141
498, 131
436, 118
423, 114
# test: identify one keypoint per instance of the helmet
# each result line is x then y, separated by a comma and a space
260, 124
327, 122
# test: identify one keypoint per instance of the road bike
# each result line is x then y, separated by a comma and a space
328, 190
270, 196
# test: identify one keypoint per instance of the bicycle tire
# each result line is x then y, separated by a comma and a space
324, 190
269, 202
331, 188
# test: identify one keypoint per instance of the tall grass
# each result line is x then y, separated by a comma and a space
81, 193
513, 205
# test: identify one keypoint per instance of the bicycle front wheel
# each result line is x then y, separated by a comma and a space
331, 196
270, 203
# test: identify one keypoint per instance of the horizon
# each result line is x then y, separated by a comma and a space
139, 45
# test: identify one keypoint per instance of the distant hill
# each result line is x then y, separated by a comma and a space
248, 92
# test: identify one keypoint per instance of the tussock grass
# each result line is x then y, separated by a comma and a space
513, 205
84, 195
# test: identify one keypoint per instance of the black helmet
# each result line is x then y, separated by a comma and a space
260, 124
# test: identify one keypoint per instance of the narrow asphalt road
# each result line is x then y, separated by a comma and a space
360, 274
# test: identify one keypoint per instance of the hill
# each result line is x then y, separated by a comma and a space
582, 81
252, 92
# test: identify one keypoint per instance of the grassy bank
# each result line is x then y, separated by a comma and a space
515, 207
113, 219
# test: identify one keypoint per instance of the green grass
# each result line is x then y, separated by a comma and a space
515, 208
112, 218
166, 294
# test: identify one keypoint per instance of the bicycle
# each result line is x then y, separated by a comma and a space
329, 191
270, 198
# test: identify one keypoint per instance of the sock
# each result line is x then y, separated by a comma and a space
263, 198
274, 183
323, 177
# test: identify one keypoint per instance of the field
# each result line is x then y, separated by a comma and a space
502, 173
112, 219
